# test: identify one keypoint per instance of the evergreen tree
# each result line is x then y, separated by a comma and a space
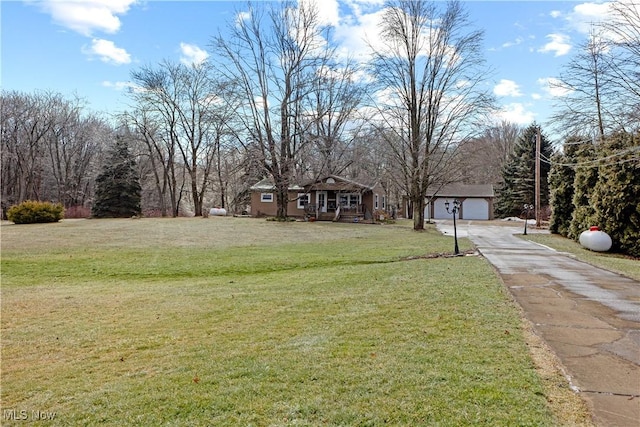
585, 179
561, 190
616, 195
518, 174
118, 190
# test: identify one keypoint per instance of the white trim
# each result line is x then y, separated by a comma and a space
266, 197
302, 199
321, 207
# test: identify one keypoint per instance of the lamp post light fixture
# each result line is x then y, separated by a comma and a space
454, 210
527, 209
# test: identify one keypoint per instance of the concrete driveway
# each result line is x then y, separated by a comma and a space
590, 317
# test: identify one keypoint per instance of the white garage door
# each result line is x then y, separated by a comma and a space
440, 211
475, 209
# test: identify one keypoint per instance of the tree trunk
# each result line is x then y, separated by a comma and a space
418, 213
282, 201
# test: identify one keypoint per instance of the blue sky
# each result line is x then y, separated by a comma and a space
89, 47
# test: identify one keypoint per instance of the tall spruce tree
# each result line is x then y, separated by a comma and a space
585, 180
518, 174
616, 194
561, 180
118, 190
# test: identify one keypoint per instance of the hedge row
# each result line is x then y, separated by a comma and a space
598, 184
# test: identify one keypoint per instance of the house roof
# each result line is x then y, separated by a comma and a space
267, 185
337, 183
330, 182
462, 190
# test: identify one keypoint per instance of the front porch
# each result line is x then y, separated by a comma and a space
343, 214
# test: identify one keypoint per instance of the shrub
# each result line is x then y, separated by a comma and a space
31, 212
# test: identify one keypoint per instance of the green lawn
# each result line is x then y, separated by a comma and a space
243, 322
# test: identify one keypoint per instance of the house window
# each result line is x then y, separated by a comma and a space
349, 200
303, 199
375, 203
384, 203
266, 197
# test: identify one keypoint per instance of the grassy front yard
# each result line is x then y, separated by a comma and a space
238, 322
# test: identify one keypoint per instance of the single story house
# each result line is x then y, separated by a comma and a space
476, 201
330, 198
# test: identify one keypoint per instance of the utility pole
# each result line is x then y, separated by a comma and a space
537, 203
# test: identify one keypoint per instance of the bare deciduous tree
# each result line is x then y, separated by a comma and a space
332, 116
26, 123
589, 83
49, 148
482, 158
431, 73
274, 53
159, 160
625, 27
185, 102
74, 144
602, 82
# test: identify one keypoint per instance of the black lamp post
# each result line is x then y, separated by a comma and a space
527, 208
454, 210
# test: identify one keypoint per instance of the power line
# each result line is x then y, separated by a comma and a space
598, 161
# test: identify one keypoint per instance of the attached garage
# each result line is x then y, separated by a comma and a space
476, 201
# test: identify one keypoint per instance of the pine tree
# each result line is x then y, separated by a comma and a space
118, 190
518, 174
561, 189
616, 195
585, 179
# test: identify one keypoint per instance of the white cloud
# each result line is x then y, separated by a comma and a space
553, 87
583, 16
559, 44
122, 86
107, 52
192, 54
516, 113
507, 88
328, 11
555, 14
86, 16
516, 42
241, 17
358, 31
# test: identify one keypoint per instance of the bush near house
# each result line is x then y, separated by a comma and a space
31, 212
